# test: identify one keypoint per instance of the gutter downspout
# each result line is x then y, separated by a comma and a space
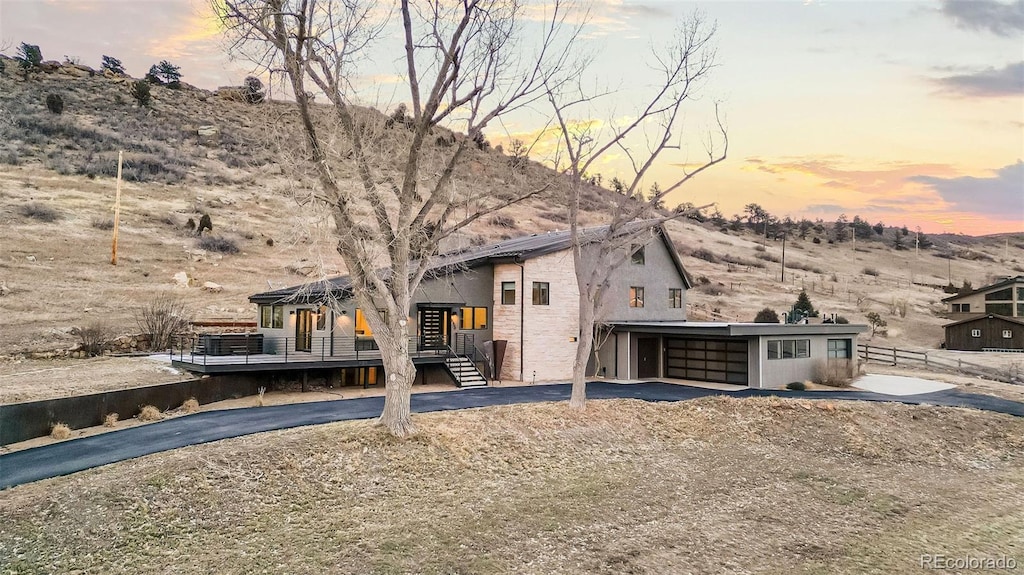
522, 317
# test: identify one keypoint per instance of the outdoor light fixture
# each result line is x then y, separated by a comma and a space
291, 312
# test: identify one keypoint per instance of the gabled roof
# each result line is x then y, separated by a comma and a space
988, 288
513, 250
986, 316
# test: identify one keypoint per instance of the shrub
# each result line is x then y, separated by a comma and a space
162, 319
149, 413
518, 155
870, 271
842, 320
876, 322
205, 223
706, 255
55, 104
114, 65
768, 258
816, 240
110, 420
796, 386
767, 315
218, 244
480, 140
29, 57
190, 405
141, 93
60, 431
93, 338
38, 211
833, 372
503, 221
253, 90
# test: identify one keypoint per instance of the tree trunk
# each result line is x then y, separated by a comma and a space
400, 373
584, 345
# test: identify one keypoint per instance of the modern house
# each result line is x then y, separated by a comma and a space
990, 318
509, 310
1005, 298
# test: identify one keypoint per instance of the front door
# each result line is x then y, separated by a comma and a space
304, 330
434, 327
647, 357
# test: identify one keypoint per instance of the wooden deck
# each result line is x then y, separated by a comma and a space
211, 364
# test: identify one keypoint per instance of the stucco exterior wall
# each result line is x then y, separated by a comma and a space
776, 373
656, 276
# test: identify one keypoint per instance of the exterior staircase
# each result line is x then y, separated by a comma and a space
464, 372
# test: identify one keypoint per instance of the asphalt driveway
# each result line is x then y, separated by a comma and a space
80, 454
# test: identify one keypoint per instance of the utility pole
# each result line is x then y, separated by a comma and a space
784, 234
117, 209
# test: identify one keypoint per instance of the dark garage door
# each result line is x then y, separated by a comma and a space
718, 360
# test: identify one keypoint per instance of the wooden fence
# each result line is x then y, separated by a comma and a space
907, 357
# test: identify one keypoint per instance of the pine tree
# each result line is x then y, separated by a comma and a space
804, 306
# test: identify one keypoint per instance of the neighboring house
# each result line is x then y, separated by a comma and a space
523, 292
986, 333
1005, 298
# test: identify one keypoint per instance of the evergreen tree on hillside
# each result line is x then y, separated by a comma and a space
804, 306
113, 64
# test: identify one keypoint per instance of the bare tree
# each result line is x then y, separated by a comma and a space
683, 66
162, 320
392, 204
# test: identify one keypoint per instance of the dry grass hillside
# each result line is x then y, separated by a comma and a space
57, 190
715, 485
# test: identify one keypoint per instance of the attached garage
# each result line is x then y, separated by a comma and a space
715, 360
750, 354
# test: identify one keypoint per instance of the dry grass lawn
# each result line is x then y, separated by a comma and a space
710, 486
37, 379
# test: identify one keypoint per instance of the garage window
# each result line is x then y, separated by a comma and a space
789, 348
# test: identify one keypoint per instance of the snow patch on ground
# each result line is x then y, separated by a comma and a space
900, 385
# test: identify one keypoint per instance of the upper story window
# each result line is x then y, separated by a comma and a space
636, 296
638, 256
961, 308
508, 293
1005, 294
541, 293
675, 298
474, 318
272, 316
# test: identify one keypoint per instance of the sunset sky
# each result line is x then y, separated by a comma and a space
910, 113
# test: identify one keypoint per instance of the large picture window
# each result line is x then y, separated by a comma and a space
321, 318
999, 308
508, 293
789, 348
636, 296
541, 293
363, 326
474, 318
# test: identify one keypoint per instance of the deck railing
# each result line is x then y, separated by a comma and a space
234, 349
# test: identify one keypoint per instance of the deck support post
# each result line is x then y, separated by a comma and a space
305, 380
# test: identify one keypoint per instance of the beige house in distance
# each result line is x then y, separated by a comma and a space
1005, 298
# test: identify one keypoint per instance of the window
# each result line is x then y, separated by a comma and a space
508, 293
363, 326
1001, 295
636, 296
675, 298
1020, 310
962, 307
541, 293
839, 348
638, 255
474, 318
789, 348
999, 308
321, 318
1020, 293
1007, 334
272, 316
975, 333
